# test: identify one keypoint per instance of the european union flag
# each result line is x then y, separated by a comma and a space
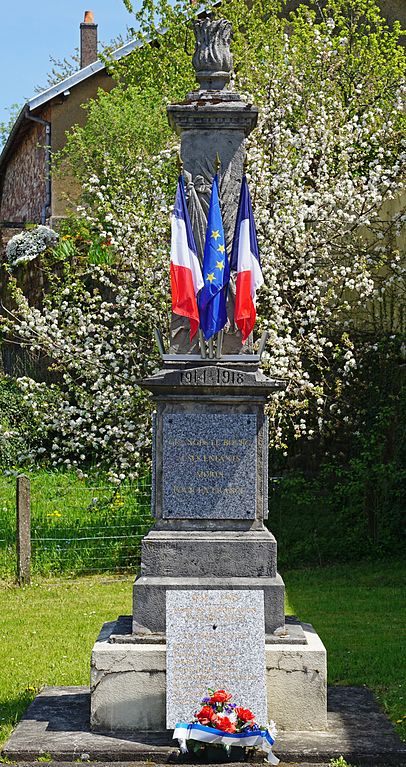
216, 271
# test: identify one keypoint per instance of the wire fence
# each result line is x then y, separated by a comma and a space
78, 527
8, 549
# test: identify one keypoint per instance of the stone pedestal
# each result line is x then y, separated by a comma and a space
210, 489
212, 124
204, 115
210, 483
128, 682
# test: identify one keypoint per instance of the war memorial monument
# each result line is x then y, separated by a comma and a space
208, 605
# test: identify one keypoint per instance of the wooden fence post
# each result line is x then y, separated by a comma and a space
23, 530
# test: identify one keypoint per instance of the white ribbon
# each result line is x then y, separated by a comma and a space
263, 739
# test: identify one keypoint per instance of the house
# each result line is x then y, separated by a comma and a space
28, 192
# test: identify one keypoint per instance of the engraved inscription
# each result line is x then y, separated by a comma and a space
199, 625
209, 465
212, 377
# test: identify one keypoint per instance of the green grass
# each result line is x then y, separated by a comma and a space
359, 612
77, 525
47, 630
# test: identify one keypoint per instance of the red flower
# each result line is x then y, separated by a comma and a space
225, 724
206, 715
221, 696
245, 715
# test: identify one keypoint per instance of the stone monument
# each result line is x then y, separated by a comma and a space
210, 479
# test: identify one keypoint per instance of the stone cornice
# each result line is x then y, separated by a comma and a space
211, 115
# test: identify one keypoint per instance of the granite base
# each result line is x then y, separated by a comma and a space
128, 684
56, 727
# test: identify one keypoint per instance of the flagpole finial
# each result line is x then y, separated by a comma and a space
217, 163
179, 163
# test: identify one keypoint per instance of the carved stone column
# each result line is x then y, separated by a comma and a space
213, 120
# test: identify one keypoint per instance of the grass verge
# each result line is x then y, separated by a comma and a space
359, 612
47, 630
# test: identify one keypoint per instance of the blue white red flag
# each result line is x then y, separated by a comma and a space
258, 738
216, 271
186, 274
246, 262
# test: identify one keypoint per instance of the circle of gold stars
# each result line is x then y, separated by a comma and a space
211, 277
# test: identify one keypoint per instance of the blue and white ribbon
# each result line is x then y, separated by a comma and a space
263, 739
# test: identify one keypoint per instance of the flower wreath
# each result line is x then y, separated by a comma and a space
221, 722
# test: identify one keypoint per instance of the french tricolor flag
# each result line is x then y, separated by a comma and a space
245, 261
186, 274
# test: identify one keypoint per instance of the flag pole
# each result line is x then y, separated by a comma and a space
202, 345
179, 163
262, 343
219, 344
217, 166
211, 348
159, 341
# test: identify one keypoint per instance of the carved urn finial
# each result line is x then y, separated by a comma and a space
212, 58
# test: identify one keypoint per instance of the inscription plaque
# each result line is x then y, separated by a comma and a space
214, 639
209, 465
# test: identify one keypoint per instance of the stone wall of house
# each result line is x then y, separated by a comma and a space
23, 194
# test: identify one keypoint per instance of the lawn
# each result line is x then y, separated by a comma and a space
359, 610
47, 630
78, 525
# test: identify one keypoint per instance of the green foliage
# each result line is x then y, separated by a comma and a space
80, 246
358, 610
58, 621
352, 506
78, 524
121, 125
6, 125
373, 62
340, 762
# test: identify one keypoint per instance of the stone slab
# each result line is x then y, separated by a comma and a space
296, 679
149, 597
57, 723
127, 684
206, 553
189, 374
209, 465
214, 639
123, 633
